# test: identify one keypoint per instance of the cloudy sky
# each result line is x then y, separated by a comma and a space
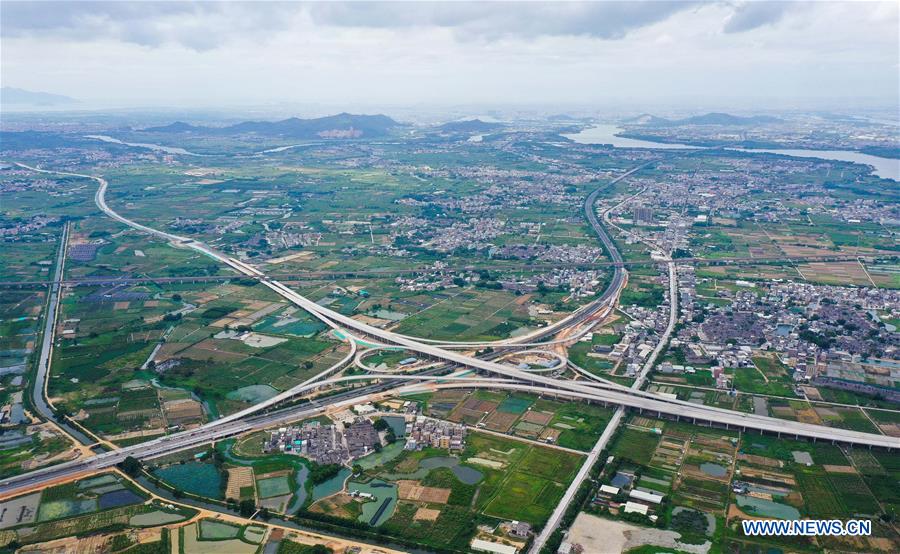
760, 53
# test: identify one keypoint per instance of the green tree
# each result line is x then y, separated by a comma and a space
131, 466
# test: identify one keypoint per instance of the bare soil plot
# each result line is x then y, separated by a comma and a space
551, 434
335, 505
760, 460
500, 421
19, 510
766, 475
812, 393
839, 469
538, 418
783, 411
890, 429
413, 490
483, 406
426, 514
238, 478
882, 544
808, 415
179, 412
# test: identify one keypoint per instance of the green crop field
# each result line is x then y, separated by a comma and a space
822, 499
637, 446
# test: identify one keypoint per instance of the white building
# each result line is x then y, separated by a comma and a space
634, 507
480, 545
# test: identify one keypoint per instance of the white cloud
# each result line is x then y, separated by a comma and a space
211, 54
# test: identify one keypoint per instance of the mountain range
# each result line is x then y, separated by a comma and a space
712, 118
12, 95
343, 125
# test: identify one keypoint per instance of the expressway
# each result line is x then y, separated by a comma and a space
562, 506
514, 377
231, 427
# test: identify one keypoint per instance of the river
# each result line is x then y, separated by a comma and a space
159, 147
886, 168
609, 134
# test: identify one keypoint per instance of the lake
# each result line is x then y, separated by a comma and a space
886, 168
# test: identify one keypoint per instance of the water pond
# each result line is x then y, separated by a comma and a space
152, 519
621, 480
714, 470
377, 512
331, 486
398, 424
766, 508
465, 474
193, 477
121, 497
387, 454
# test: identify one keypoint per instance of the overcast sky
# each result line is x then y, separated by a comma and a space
392, 54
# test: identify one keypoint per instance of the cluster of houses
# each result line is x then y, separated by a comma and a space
424, 432
326, 444
621, 495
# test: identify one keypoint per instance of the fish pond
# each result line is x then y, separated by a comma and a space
121, 497
385, 494
193, 477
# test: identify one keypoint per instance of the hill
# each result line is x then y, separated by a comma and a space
177, 127
647, 119
469, 126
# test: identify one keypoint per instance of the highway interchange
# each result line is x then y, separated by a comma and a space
489, 374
